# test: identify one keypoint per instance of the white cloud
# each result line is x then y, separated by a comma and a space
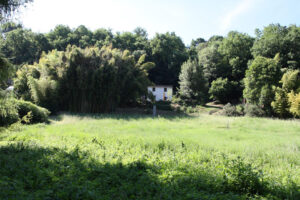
242, 7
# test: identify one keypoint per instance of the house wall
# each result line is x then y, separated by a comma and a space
160, 93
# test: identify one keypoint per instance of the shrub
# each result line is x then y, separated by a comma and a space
280, 104
44, 92
294, 100
21, 86
240, 109
230, 110
190, 110
253, 110
291, 80
8, 112
242, 177
31, 112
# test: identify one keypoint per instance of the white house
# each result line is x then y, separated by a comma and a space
10, 88
161, 92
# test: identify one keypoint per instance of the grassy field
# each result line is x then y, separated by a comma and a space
138, 157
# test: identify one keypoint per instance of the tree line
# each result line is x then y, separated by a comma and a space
167, 51
232, 69
261, 71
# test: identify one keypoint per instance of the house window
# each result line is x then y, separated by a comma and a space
165, 89
153, 89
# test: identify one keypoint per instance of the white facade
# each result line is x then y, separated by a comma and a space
10, 88
161, 92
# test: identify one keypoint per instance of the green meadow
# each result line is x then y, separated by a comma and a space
139, 157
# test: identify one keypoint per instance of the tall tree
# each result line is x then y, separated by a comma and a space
193, 85
293, 43
194, 46
236, 49
214, 65
270, 41
82, 37
215, 38
224, 62
5, 71
168, 53
224, 90
102, 37
60, 37
263, 74
23, 46
136, 41
284, 40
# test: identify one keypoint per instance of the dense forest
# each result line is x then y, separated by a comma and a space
80, 70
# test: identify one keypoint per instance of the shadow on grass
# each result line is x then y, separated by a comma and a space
123, 115
32, 172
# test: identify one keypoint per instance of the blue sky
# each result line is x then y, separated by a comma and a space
189, 19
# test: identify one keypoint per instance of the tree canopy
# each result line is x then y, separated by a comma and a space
284, 40
226, 69
262, 75
168, 53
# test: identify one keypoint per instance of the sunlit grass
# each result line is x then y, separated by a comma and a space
190, 154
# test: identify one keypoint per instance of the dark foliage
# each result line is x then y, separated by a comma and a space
253, 110
28, 171
30, 113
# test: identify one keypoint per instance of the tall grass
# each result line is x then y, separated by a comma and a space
138, 157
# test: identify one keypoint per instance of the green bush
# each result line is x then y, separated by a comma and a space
253, 110
230, 110
280, 105
242, 177
294, 100
31, 113
8, 112
44, 92
240, 109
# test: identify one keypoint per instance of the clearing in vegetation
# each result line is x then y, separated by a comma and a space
138, 157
